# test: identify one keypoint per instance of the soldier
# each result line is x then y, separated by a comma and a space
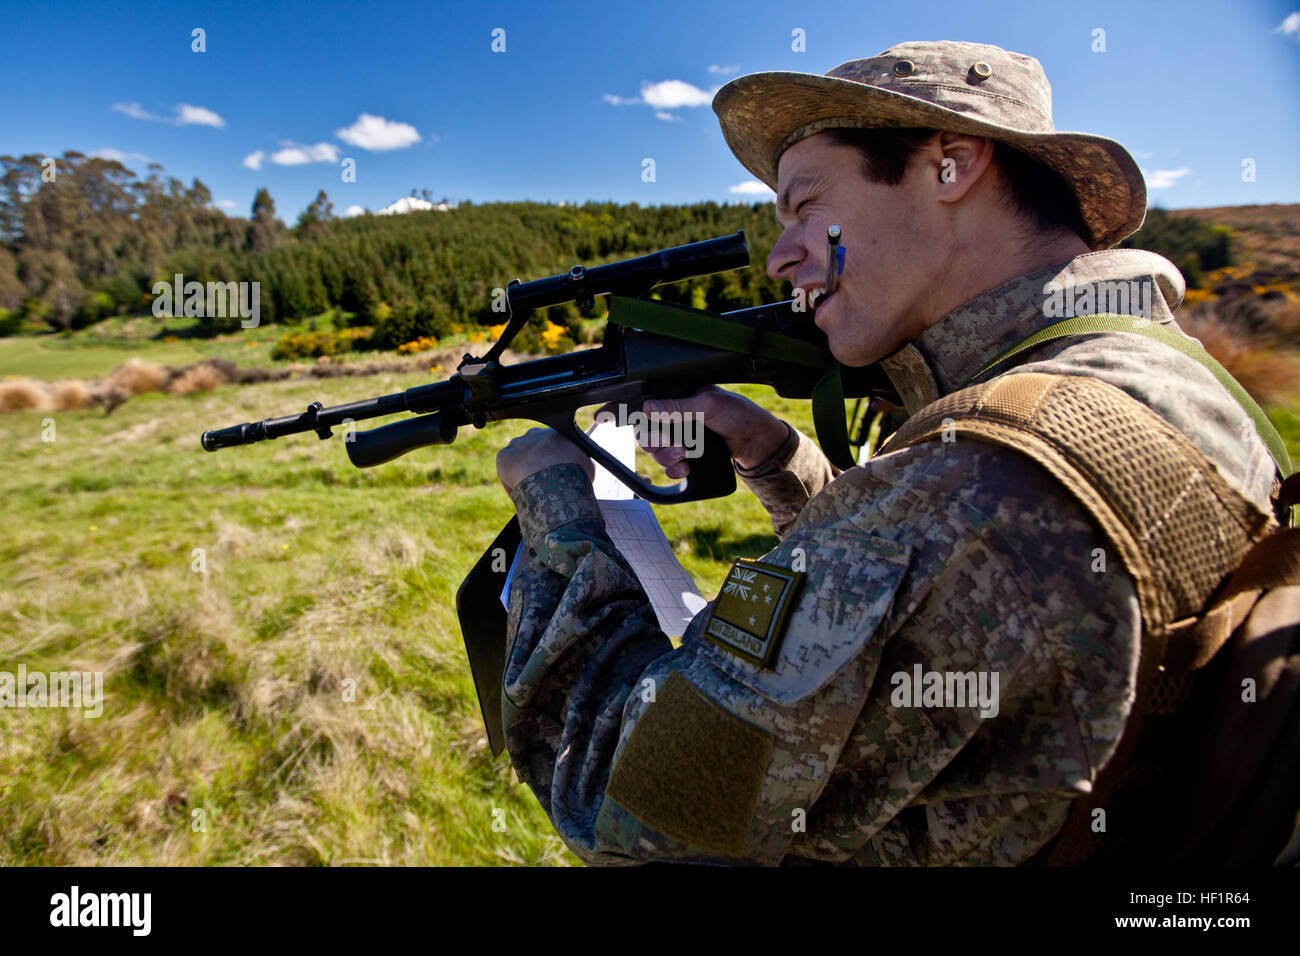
811, 712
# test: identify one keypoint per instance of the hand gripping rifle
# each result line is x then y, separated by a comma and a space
650, 350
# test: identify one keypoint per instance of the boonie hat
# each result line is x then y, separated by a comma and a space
946, 85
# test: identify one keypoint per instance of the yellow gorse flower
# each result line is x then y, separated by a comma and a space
422, 344
551, 336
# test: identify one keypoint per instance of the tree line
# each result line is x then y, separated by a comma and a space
83, 238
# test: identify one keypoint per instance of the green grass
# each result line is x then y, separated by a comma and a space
49, 357
307, 692
1286, 419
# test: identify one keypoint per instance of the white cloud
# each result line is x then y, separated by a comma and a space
186, 115
118, 156
665, 95
227, 204
751, 187
669, 117
724, 70
1290, 26
1164, 178
254, 159
354, 211
135, 111
378, 134
671, 94
295, 155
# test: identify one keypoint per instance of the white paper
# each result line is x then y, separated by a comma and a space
635, 531
621, 443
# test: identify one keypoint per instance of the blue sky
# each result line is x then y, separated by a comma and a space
415, 94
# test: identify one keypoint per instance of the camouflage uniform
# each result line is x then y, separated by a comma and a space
956, 556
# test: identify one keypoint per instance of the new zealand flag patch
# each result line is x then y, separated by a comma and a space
750, 615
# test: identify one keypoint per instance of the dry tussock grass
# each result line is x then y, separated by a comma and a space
190, 643
376, 552
70, 393
22, 635
202, 377
24, 394
1286, 320
135, 376
1271, 375
328, 752
232, 537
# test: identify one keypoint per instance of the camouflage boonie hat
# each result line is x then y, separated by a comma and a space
959, 87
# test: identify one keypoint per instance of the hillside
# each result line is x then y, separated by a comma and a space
1266, 236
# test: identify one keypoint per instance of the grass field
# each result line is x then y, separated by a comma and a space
52, 358
284, 674
225, 689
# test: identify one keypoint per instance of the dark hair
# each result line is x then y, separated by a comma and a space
1031, 188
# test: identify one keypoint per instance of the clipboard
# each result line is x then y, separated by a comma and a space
483, 626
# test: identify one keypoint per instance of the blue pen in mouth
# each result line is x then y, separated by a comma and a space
834, 268
834, 260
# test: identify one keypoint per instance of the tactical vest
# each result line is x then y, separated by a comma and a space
1207, 769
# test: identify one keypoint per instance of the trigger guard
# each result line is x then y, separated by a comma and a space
710, 476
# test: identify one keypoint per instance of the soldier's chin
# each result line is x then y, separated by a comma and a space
854, 354
848, 360
842, 351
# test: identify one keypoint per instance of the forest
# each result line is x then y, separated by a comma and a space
83, 238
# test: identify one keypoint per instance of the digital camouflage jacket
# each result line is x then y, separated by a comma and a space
948, 558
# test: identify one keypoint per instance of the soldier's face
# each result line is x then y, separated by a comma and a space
893, 249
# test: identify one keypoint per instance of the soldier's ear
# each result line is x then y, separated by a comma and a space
959, 161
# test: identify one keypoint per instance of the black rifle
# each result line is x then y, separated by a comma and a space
650, 350
775, 345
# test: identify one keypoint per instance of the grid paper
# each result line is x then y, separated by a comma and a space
635, 531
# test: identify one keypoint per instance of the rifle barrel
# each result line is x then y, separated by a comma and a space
420, 398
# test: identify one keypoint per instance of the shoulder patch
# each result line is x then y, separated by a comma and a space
692, 770
749, 617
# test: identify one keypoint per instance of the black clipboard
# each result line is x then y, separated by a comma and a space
483, 626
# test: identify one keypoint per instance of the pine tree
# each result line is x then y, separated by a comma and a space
264, 230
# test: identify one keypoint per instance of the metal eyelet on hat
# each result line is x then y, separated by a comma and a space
904, 68
980, 71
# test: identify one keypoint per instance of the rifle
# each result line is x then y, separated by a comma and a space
650, 350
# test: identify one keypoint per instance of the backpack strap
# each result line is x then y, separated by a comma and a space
1135, 325
1149, 488
1179, 527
